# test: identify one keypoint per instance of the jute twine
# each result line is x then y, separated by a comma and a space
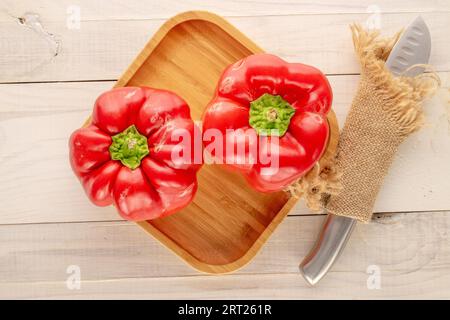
385, 110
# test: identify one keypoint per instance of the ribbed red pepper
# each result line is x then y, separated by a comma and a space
124, 156
265, 96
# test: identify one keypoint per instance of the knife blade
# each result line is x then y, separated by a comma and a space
413, 48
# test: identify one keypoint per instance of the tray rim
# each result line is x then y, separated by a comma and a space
171, 23
170, 244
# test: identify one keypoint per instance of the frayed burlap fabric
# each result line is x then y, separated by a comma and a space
322, 181
385, 110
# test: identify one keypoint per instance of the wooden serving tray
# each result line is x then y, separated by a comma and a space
227, 222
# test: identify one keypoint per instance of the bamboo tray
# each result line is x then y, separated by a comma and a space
228, 222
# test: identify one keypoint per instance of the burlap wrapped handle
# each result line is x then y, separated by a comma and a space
385, 110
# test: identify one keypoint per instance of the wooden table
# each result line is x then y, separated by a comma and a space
49, 231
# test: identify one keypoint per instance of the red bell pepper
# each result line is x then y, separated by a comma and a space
125, 155
280, 103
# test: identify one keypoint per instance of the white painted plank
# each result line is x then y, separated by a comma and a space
103, 49
154, 9
345, 285
36, 121
43, 188
411, 252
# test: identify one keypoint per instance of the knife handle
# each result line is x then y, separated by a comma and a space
332, 239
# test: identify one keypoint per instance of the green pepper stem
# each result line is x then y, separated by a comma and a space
270, 115
129, 147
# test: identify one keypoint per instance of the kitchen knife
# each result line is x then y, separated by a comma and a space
413, 48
